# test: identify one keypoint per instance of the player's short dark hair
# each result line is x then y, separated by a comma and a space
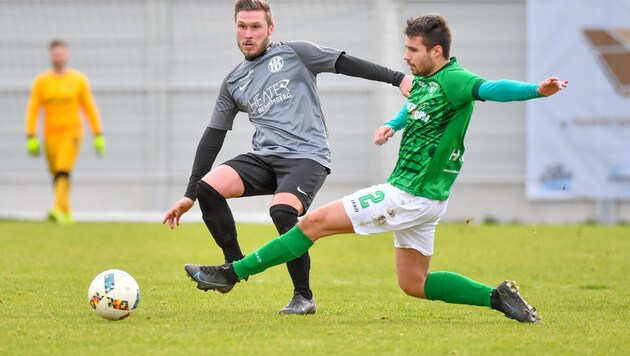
57, 43
251, 5
433, 29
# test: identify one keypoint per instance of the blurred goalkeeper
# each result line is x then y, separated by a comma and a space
411, 203
61, 93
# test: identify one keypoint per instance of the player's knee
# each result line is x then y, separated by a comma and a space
284, 217
206, 193
413, 288
312, 223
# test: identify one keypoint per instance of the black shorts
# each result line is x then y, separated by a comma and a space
266, 175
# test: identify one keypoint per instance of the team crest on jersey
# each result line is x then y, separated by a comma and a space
275, 64
433, 86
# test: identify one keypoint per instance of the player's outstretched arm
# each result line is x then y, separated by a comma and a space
551, 86
356, 67
511, 90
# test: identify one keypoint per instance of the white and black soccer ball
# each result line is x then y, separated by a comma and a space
114, 294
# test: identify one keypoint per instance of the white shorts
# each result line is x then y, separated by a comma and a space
382, 208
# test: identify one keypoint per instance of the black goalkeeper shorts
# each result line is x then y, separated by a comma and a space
267, 175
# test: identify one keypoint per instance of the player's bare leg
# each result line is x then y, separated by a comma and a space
412, 268
330, 219
226, 181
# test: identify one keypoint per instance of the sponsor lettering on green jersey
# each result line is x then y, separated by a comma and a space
432, 146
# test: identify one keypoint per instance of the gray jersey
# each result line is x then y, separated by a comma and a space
279, 93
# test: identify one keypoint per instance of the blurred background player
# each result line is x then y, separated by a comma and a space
276, 86
414, 199
61, 92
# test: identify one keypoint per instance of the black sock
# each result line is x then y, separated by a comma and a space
218, 218
285, 217
229, 273
61, 174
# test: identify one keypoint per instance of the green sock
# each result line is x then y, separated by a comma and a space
285, 248
454, 288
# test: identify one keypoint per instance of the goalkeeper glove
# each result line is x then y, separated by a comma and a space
99, 144
32, 145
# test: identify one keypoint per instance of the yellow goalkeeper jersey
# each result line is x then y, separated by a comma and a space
61, 97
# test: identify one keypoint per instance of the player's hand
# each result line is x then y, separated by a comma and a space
405, 85
99, 144
382, 134
177, 210
32, 146
551, 86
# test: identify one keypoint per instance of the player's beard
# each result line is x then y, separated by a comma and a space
263, 46
423, 68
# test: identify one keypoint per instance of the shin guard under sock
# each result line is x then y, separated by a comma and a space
284, 218
218, 218
454, 288
279, 250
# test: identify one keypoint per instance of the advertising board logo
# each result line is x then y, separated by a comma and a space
556, 177
612, 50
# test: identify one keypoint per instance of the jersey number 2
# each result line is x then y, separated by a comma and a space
377, 197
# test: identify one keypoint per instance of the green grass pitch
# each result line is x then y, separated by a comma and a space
577, 276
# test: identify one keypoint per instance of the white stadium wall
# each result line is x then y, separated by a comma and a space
155, 68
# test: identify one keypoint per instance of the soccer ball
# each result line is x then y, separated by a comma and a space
114, 294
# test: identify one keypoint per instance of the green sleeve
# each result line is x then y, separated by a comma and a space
507, 90
459, 85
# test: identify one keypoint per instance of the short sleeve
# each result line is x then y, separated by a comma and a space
459, 85
225, 109
318, 59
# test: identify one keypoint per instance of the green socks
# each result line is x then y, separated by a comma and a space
285, 248
454, 288
446, 286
